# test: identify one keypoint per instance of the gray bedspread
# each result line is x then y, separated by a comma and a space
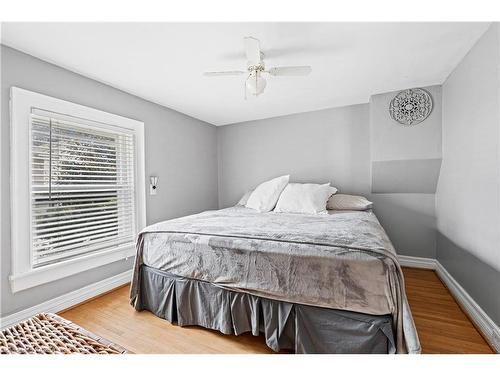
341, 260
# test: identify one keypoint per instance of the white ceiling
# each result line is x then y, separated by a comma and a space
164, 62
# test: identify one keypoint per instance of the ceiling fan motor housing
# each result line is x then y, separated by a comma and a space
257, 68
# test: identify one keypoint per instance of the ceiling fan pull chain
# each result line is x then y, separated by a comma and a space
245, 89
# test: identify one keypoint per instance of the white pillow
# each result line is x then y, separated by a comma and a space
244, 199
304, 198
348, 202
265, 196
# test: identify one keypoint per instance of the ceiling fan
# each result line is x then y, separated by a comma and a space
255, 82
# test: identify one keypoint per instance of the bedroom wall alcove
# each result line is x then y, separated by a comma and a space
360, 149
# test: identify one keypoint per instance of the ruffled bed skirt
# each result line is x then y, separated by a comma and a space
300, 328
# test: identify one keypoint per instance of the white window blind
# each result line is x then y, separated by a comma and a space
82, 187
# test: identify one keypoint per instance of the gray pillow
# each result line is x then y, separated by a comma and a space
244, 198
348, 202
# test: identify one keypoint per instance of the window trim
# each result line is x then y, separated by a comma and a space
22, 275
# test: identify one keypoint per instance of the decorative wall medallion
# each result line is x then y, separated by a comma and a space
409, 107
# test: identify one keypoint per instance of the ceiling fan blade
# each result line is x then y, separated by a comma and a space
226, 73
290, 71
252, 50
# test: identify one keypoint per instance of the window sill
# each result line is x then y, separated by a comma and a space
67, 268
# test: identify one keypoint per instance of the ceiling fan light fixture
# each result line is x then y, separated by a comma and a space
256, 83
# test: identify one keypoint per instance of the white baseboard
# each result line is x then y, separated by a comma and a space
417, 262
482, 321
69, 299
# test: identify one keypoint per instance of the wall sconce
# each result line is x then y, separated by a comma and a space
153, 185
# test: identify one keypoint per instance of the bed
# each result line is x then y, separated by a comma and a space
324, 283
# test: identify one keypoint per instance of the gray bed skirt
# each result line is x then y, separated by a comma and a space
285, 326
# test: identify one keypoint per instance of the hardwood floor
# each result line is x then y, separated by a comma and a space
112, 317
441, 324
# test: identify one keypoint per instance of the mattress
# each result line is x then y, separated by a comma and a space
340, 260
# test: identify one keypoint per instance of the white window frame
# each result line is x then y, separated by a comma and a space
23, 276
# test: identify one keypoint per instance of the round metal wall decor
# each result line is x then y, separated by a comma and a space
409, 107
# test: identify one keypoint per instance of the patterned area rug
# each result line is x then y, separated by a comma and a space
51, 334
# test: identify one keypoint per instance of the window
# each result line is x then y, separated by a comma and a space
81, 188
78, 188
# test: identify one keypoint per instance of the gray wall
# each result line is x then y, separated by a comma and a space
179, 149
330, 145
468, 193
393, 141
324, 146
405, 159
